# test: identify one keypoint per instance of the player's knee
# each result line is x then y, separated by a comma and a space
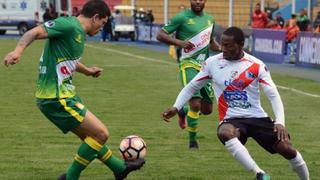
195, 104
226, 132
206, 111
102, 136
286, 149
206, 108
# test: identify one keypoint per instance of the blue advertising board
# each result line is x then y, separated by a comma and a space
308, 49
269, 45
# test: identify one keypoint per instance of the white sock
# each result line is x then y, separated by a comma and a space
300, 167
241, 153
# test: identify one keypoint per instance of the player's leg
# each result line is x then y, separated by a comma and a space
93, 127
295, 159
193, 113
233, 135
207, 99
192, 119
268, 139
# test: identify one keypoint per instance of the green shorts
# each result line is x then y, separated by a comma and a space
187, 74
66, 114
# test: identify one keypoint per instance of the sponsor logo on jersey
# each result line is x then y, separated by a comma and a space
234, 74
237, 99
49, 23
239, 84
190, 21
78, 38
64, 70
250, 75
209, 22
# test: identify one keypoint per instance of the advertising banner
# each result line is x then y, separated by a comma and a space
269, 45
308, 49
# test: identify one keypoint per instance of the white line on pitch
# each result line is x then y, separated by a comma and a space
130, 54
166, 62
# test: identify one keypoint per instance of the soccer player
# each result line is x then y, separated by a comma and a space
236, 77
194, 32
56, 97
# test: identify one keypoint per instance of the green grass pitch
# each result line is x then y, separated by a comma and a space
128, 98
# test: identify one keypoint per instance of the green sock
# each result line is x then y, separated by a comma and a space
115, 164
87, 151
192, 118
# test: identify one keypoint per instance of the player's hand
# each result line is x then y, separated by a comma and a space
281, 132
11, 58
95, 71
186, 45
169, 113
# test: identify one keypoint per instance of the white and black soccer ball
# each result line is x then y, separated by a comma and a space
133, 147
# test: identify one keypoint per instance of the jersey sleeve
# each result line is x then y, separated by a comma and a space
58, 27
272, 93
174, 24
199, 81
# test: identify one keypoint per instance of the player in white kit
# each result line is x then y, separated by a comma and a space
236, 77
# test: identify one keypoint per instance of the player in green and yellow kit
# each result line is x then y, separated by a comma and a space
56, 97
194, 35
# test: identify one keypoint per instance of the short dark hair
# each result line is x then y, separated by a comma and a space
93, 7
237, 34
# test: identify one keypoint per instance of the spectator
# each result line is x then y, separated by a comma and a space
303, 21
47, 16
53, 11
259, 18
149, 19
106, 32
280, 19
316, 23
75, 11
141, 15
117, 17
292, 28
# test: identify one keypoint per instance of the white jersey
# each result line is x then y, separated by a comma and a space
236, 87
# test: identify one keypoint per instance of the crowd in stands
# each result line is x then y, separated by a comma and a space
297, 23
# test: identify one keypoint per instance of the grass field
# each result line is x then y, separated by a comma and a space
129, 98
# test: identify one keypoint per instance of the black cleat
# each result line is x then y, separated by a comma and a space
193, 145
262, 176
62, 177
130, 166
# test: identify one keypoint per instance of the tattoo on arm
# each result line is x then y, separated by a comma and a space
26, 40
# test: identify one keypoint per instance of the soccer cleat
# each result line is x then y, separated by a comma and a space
130, 166
182, 119
262, 176
62, 177
193, 145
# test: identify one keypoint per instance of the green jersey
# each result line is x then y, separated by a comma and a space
62, 51
196, 29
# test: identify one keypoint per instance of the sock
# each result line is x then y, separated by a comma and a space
87, 151
192, 118
241, 153
300, 167
115, 164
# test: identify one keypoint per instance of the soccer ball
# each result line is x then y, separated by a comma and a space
133, 147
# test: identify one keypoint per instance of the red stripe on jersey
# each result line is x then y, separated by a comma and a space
264, 82
247, 77
202, 78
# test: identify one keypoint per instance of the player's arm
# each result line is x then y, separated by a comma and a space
272, 93
13, 57
199, 81
88, 71
164, 35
